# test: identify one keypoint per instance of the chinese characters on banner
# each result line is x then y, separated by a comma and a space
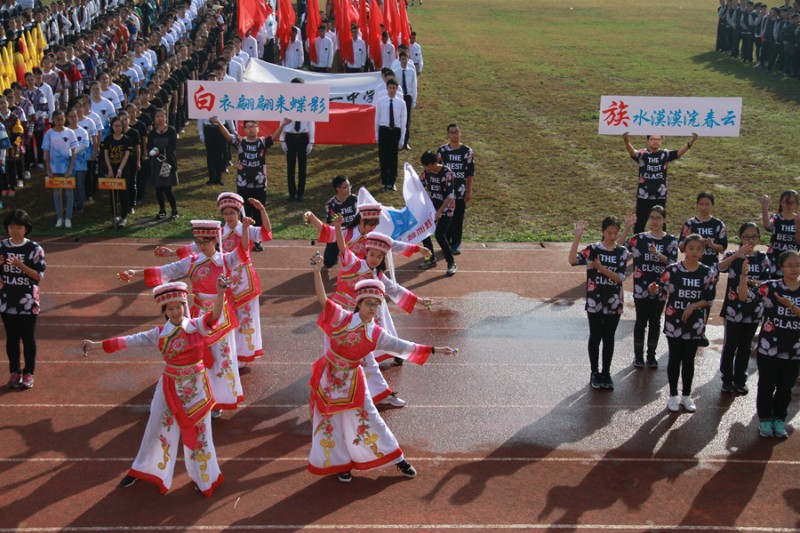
650, 115
258, 101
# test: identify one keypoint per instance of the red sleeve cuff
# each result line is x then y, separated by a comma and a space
409, 249
327, 233
420, 354
152, 277
266, 236
114, 345
184, 251
408, 302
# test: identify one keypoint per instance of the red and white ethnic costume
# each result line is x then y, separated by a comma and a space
348, 431
181, 406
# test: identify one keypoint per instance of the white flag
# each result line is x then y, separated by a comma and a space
416, 220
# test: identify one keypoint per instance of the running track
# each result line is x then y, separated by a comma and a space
505, 436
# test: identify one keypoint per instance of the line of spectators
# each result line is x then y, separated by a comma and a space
770, 36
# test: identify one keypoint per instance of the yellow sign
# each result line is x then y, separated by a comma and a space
60, 182
111, 184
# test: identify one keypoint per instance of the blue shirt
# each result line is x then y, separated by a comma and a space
60, 145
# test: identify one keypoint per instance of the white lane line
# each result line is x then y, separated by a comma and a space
388, 527
304, 458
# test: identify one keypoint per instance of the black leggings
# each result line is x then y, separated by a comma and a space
736, 351
648, 316
602, 327
442, 226
681, 364
20, 328
161, 192
776, 377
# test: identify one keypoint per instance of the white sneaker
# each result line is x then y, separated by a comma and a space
26, 175
20, 184
393, 400
59, 223
688, 404
68, 223
123, 222
674, 404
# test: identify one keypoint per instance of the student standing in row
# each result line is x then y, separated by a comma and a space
784, 227
741, 316
651, 252
688, 286
605, 272
461, 162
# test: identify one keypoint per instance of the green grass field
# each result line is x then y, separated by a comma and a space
524, 79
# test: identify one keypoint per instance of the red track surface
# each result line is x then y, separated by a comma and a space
505, 436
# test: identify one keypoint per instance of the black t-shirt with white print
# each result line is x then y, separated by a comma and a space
602, 294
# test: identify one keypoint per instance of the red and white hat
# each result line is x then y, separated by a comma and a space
171, 292
209, 229
370, 211
230, 199
369, 288
378, 241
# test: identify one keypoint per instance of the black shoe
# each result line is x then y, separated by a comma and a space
257, 247
704, 342
127, 481
727, 387
161, 215
406, 469
345, 477
652, 362
456, 250
596, 380
608, 383
174, 215
398, 361
426, 264
452, 268
741, 388
638, 361
291, 198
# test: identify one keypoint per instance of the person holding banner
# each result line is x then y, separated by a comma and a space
60, 149
439, 181
653, 162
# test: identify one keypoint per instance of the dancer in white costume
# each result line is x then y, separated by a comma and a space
182, 403
348, 432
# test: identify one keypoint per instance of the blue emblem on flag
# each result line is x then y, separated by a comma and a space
403, 221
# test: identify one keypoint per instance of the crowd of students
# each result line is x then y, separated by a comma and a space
762, 289
770, 36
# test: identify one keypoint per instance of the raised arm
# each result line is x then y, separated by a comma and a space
319, 287
685, 147
580, 227
628, 145
765, 212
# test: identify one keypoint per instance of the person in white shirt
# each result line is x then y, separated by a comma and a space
390, 129
387, 50
108, 92
102, 106
297, 140
416, 53
325, 50
250, 45
407, 79
234, 67
294, 51
330, 34
380, 89
359, 52
239, 52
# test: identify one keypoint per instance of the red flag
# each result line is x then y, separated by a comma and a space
286, 19
405, 27
313, 22
388, 21
252, 14
342, 13
363, 24
375, 21
395, 22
